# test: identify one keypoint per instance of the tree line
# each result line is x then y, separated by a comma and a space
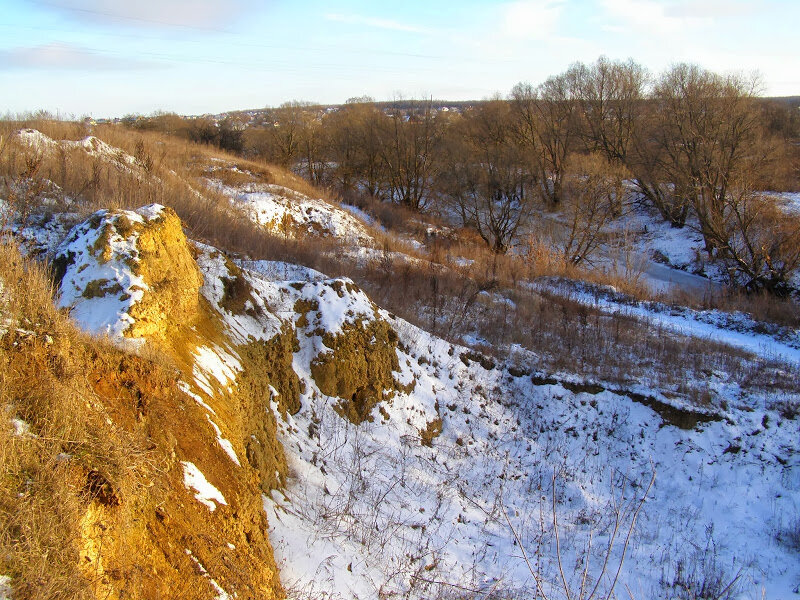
695, 145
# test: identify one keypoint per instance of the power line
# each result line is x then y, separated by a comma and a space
287, 65
214, 30
247, 45
128, 18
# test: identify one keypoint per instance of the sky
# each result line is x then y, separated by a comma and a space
109, 58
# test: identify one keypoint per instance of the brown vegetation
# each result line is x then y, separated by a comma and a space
694, 143
434, 292
358, 368
92, 495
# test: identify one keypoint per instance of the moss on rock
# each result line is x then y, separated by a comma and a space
358, 369
267, 366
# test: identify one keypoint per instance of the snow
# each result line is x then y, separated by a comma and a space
100, 285
733, 329
273, 270
790, 201
662, 278
42, 234
205, 493
221, 593
460, 261
226, 445
213, 361
186, 389
290, 213
21, 428
255, 324
5, 587
36, 139
362, 499
369, 511
362, 216
91, 145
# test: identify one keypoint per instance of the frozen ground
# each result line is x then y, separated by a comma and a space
370, 511
767, 341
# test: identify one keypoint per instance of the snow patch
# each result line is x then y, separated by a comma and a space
287, 212
205, 493
221, 593
272, 270
91, 145
21, 428
5, 587
100, 287
225, 444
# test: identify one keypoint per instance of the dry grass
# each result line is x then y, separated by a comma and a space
166, 170
44, 471
761, 307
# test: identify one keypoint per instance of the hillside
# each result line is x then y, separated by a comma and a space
238, 387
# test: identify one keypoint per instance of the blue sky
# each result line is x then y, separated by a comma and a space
110, 58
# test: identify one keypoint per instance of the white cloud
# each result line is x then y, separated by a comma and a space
710, 9
59, 56
377, 23
202, 14
535, 19
647, 17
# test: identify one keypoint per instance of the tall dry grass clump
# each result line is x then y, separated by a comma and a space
57, 449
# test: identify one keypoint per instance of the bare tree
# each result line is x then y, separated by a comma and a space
314, 146
286, 135
354, 147
706, 126
549, 120
611, 94
592, 195
408, 145
759, 242
486, 175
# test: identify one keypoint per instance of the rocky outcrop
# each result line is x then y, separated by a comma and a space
358, 367
204, 408
129, 274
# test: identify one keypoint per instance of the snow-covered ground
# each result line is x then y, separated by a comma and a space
738, 330
93, 146
290, 213
790, 201
370, 511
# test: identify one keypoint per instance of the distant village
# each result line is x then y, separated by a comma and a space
262, 117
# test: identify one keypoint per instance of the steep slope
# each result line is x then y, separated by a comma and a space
233, 338
151, 498
413, 466
390, 509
